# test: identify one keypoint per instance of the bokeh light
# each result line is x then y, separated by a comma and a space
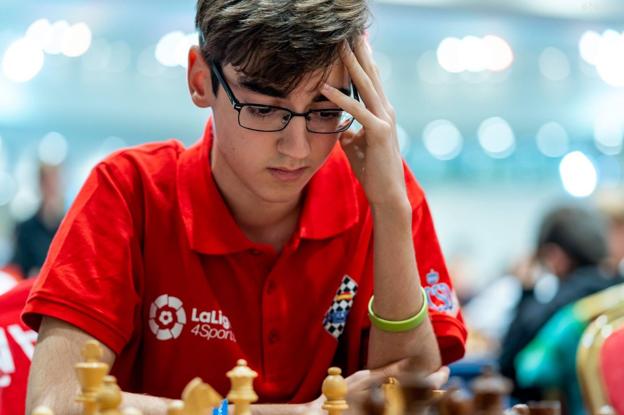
77, 40
474, 54
552, 139
22, 60
496, 137
442, 139
53, 149
554, 64
606, 53
172, 49
578, 174
609, 132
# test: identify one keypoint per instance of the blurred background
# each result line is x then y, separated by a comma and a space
506, 109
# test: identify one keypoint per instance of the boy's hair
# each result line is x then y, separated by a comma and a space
278, 42
579, 231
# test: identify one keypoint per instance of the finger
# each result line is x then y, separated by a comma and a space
364, 55
354, 148
440, 377
353, 107
357, 377
350, 137
362, 80
347, 137
364, 380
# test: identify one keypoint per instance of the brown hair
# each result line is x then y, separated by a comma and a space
578, 230
278, 42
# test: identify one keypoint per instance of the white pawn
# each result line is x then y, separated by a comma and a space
242, 393
335, 390
90, 372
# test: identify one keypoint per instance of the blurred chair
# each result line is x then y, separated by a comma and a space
613, 369
16, 347
598, 360
549, 362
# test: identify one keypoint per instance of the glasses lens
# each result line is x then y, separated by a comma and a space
263, 118
329, 121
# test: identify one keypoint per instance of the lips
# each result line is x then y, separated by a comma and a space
287, 174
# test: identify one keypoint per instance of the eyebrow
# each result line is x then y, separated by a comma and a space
256, 86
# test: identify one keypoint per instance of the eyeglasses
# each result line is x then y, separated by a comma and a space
269, 118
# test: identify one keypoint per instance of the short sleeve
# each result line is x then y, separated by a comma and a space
90, 277
444, 310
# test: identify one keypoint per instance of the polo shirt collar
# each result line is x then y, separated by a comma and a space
330, 206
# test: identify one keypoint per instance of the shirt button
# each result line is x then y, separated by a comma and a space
270, 287
255, 252
273, 336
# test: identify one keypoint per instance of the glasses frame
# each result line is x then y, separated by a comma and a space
238, 106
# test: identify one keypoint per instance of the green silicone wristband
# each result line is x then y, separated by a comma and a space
399, 325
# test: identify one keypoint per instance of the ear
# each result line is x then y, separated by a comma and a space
199, 79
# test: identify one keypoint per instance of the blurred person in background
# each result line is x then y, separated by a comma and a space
33, 236
611, 204
567, 266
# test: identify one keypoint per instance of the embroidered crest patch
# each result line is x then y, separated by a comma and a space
336, 317
440, 296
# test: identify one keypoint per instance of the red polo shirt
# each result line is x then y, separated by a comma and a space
150, 261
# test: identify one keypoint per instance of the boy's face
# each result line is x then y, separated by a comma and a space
273, 167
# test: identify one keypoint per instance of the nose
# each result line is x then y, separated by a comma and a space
294, 141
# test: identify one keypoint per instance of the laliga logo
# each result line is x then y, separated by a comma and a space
167, 317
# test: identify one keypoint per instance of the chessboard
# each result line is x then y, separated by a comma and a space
410, 395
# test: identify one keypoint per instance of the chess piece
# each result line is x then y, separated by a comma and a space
242, 393
544, 408
606, 410
418, 394
455, 401
335, 391
91, 372
489, 391
519, 409
199, 398
375, 402
108, 397
393, 396
42, 410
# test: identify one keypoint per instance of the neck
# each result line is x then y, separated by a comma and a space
51, 212
262, 221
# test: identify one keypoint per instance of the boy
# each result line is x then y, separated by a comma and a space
258, 241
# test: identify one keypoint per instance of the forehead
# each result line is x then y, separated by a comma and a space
310, 83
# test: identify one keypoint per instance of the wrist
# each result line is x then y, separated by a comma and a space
398, 206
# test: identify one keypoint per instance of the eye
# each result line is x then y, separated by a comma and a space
329, 114
260, 111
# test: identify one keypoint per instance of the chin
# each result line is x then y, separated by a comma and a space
280, 193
